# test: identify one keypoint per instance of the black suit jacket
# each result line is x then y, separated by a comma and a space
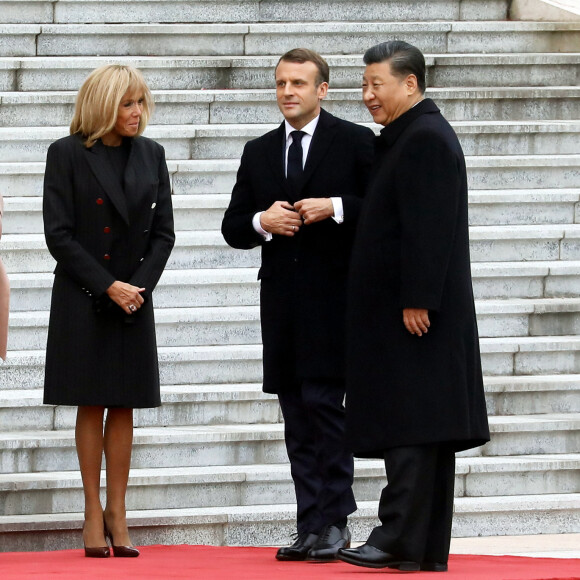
98, 233
303, 277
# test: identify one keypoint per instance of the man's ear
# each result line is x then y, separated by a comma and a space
411, 84
322, 90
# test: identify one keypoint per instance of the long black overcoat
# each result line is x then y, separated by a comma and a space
412, 251
98, 233
303, 278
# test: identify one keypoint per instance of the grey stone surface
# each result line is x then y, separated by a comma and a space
28, 12
253, 526
257, 72
141, 39
97, 11
217, 472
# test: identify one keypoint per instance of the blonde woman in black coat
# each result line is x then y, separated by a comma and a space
108, 223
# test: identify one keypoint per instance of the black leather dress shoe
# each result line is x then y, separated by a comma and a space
299, 549
433, 567
371, 557
330, 540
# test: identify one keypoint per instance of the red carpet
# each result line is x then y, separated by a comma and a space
209, 563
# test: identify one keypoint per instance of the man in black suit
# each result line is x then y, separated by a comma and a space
298, 193
414, 382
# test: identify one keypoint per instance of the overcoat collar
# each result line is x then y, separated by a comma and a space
394, 130
97, 159
321, 142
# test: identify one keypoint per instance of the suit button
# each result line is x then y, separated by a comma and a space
106, 257
153, 205
100, 201
107, 230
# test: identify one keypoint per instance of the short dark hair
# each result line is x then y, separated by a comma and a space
301, 55
404, 58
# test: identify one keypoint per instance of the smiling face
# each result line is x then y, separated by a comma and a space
387, 96
128, 119
296, 92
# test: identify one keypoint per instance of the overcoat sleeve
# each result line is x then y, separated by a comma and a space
363, 151
59, 223
429, 187
237, 228
162, 235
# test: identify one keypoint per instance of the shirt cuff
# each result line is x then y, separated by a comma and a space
338, 216
258, 227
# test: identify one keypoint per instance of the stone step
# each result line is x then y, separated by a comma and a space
207, 249
175, 327
204, 446
525, 279
274, 524
495, 172
226, 364
23, 215
176, 289
239, 286
214, 142
532, 394
517, 317
253, 485
258, 106
524, 243
183, 405
277, 38
80, 11
257, 72
231, 325
22, 409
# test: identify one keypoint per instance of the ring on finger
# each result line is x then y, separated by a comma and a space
132, 307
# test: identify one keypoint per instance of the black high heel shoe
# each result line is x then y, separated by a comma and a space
99, 552
120, 551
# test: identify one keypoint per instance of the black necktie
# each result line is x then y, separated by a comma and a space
294, 170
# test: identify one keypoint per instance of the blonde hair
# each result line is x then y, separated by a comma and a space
99, 98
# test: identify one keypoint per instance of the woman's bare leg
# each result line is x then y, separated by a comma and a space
118, 444
89, 442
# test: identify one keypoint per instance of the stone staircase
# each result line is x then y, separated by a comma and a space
210, 465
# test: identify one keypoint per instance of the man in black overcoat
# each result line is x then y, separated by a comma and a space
298, 193
414, 382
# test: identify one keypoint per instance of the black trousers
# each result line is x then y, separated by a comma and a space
322, 467
416, 506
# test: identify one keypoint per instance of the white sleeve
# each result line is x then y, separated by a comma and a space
258, 226
338, 216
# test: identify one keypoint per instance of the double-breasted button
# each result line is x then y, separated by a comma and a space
106, 257
100, 201
107, 229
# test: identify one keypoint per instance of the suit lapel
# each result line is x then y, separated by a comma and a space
275, 149
101, 168
320, 144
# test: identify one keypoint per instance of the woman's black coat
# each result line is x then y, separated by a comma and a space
98, 233
412, 251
